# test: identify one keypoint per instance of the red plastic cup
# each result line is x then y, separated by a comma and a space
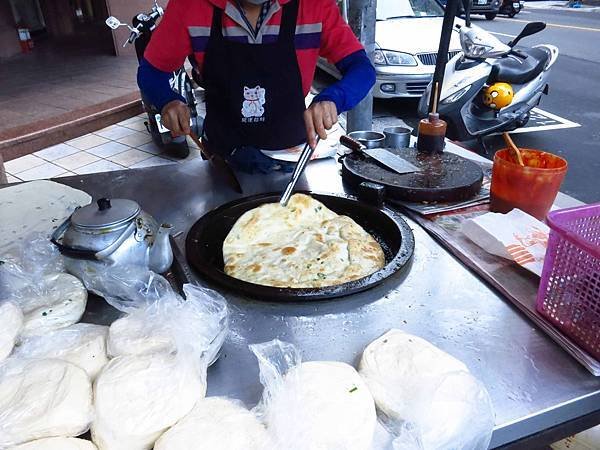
532, 188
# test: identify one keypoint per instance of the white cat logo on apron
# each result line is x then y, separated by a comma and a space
252, 106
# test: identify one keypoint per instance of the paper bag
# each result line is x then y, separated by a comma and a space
516, 236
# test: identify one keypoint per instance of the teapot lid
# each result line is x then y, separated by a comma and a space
105, 213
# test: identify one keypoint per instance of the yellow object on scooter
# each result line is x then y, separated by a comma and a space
498, 95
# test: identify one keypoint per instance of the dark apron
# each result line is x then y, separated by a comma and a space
253, 91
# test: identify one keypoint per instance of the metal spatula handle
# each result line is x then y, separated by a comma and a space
305, 156
351, 143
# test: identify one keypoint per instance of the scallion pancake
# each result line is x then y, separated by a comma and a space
301, 245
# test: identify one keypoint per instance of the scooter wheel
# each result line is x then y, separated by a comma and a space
177, 149
512, 14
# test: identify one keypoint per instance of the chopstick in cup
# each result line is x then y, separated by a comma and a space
514, 149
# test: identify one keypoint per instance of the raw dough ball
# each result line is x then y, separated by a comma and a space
82, 344
216, 424
59, 302
321, 405
42, 398
172, 325
413, 381
11, 322
138, 397
135, 335
56, 443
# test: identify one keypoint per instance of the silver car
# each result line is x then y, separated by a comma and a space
407, 36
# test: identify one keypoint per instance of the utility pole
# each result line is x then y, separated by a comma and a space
361, 18
442, 56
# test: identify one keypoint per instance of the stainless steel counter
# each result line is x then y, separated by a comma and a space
534, 384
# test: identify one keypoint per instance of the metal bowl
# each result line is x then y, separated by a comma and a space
204, 246
370, 139
397, 137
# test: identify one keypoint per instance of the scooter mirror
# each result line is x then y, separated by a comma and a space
467, 9
530, 28
113, 23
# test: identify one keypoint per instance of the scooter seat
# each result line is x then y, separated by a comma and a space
514, 69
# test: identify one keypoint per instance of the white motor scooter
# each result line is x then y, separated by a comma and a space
484, 62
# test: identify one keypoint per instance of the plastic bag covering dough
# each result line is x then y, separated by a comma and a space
301, 245
22, 270
11, 322
428, 397
82, 344
322, 405
58, 302
42, 398
56, 443
197, 325
127, 287
138, 397
216, 424
35, 207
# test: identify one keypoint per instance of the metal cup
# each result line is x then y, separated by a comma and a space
370, 139
397, 137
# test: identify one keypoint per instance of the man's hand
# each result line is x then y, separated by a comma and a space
175, 115
319, 118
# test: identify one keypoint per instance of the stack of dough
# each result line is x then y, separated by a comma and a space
299, 246
56, 443
216, 424
138, 397
321, 405
82, 344
138, 334
42, 398
11, 322
57, 302
414, 382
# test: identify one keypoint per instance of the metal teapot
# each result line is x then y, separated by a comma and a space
113, 231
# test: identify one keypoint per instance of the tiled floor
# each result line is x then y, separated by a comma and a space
124, 145
60, 77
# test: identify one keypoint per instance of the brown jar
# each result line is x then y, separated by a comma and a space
432, 132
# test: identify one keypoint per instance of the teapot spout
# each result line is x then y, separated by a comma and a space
161, 254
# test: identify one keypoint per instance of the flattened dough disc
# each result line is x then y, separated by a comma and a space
35, 207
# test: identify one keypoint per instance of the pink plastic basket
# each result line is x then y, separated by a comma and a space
569, 294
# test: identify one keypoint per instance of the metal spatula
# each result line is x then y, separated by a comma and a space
381, 155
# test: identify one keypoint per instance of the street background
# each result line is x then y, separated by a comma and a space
573, 101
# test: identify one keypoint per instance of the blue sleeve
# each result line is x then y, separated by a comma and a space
358, 77
155, 86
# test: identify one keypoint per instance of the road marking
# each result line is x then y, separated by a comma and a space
547, 121
555, 25
503, 34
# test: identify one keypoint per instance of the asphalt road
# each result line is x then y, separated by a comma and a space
574, 94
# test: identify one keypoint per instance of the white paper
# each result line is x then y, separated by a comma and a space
516, 236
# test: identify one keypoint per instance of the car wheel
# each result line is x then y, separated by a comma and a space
512, 14
490, 16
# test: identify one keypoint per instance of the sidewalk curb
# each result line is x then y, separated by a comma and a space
23, 140
558, 6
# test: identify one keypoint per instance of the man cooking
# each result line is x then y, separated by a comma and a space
257, 59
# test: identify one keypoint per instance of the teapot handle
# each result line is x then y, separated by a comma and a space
115, 245
69, 251
78, 253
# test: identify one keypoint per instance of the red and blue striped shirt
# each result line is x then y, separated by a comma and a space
320, 31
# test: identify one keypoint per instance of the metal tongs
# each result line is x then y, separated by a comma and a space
305, 156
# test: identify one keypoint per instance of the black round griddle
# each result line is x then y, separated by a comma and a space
204, 246
444, 177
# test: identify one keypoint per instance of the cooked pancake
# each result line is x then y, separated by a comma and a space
301, 245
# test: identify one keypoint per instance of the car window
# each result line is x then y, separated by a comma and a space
391, 9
